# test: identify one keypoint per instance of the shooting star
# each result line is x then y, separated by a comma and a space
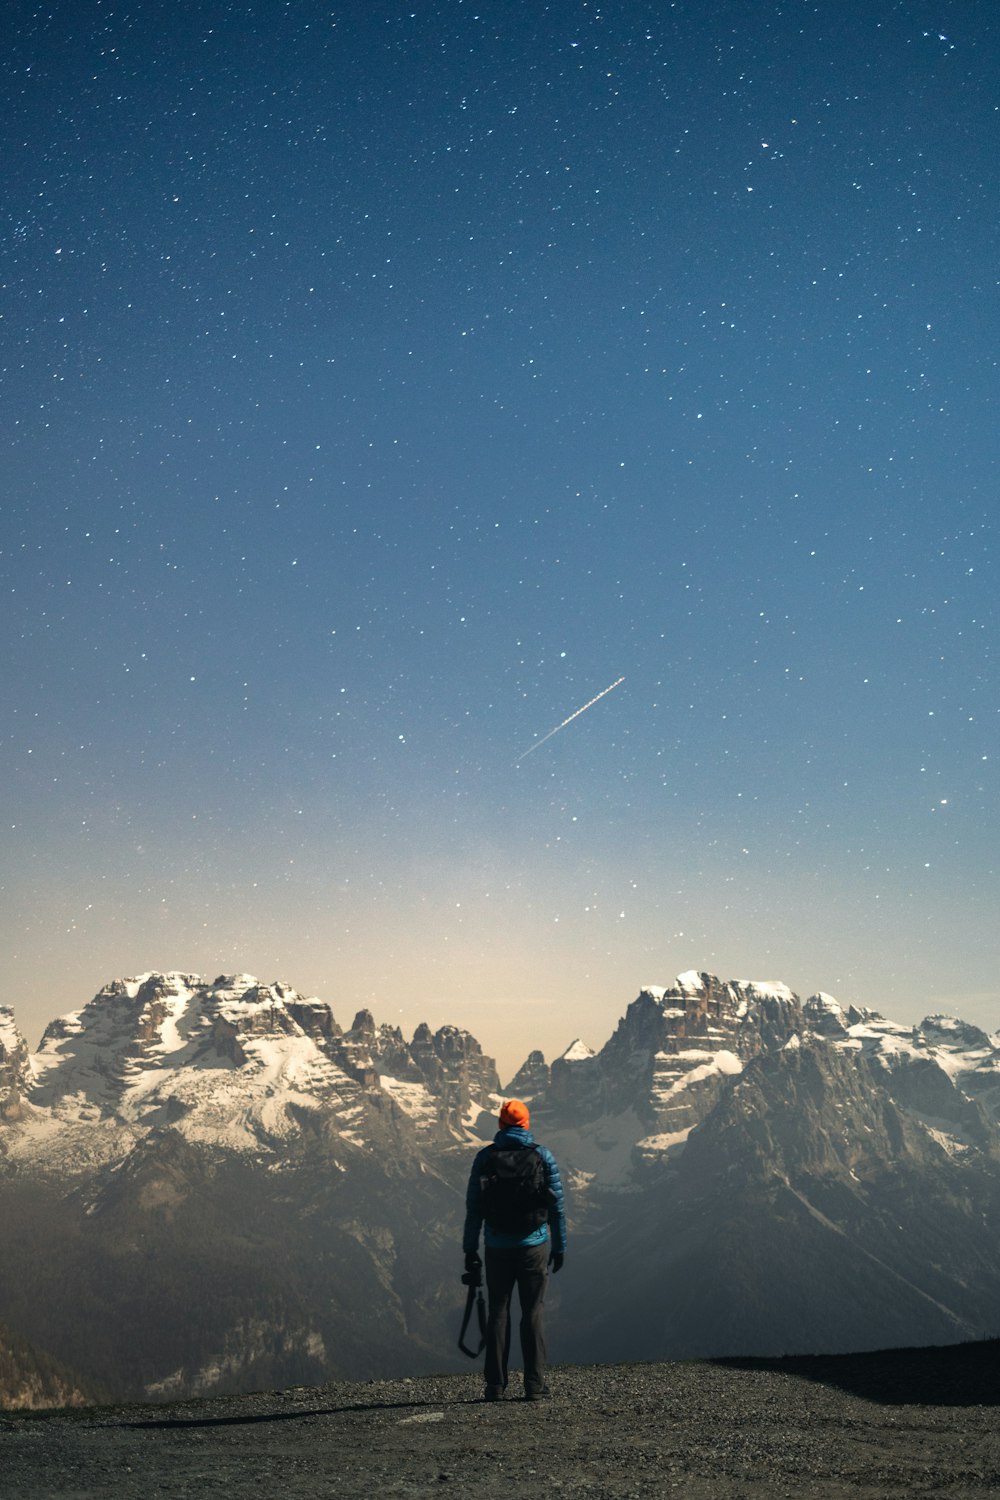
576, 715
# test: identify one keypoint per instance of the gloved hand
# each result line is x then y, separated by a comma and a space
556, 1261
473, 1269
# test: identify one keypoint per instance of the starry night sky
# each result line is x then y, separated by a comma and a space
380, 383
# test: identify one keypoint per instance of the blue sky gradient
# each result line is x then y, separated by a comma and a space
381, 383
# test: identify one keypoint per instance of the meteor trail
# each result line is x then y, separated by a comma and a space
572, 716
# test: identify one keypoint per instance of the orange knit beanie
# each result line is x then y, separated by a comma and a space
513, 1112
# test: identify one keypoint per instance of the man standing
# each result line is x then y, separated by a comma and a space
514, 1188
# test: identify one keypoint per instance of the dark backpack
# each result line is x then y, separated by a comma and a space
514, 1189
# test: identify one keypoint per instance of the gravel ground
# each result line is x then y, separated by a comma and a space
909, 1423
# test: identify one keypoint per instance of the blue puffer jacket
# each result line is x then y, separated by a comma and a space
514, 1136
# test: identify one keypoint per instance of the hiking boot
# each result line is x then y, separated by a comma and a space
493, 1393
541, 1394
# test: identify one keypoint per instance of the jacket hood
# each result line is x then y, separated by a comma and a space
514, 1135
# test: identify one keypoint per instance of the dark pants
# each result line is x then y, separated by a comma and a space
525, 1266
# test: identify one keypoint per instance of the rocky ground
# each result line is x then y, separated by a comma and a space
912, 1422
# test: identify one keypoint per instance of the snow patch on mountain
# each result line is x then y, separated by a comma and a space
250, 1105
602, 1148
414, 1099
767, 989
706, 1063
970, 1057
657, 1148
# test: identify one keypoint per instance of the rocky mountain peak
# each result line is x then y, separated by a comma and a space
453, 1067
156, 1021
228, 1061
949, 1031
238, 1062
314, 1016
823, 1015
674, 1050
531, 1079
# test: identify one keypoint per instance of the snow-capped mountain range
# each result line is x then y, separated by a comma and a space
237, 1064
813, 1176
233, 1064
